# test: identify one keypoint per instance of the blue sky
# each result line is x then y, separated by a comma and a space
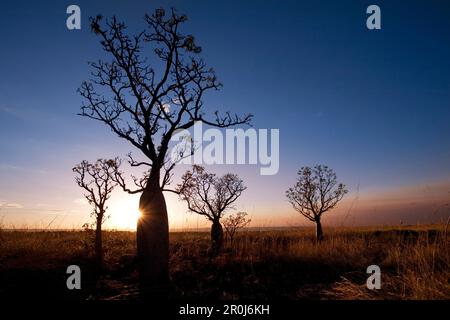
373, 105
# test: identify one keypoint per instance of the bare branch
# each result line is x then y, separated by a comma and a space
209, 195
315, 192
97, 180
141, 105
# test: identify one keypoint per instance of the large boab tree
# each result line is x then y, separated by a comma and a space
152, 86
210, 196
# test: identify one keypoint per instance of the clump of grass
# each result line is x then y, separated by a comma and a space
415, 268
422, 268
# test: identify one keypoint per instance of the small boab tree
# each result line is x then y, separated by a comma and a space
316, 192
233, 223
210, 196
148, 86
97, 181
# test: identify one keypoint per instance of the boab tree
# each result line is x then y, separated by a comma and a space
97, 181
152, 86
210, 196
316, 192
235, 222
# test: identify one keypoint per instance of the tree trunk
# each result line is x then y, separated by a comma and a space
216, 237
319, 232
231, 240
98, 242
153, 242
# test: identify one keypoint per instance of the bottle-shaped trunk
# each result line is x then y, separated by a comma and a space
153, 242
216, 237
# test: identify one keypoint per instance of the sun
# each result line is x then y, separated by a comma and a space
124, 213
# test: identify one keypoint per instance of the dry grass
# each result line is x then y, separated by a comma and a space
415, 264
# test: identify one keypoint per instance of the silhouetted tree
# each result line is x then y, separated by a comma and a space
316, 192
153, 86
235, 222
210, 196
97, 180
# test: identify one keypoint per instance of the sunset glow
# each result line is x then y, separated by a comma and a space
124, 214
192, 157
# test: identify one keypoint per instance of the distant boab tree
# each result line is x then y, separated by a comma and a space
147, 87
210, 196
234, 222
97, 181
316, 192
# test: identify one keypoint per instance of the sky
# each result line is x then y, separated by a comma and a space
374, 105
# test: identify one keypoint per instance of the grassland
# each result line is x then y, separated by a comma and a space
289, 264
